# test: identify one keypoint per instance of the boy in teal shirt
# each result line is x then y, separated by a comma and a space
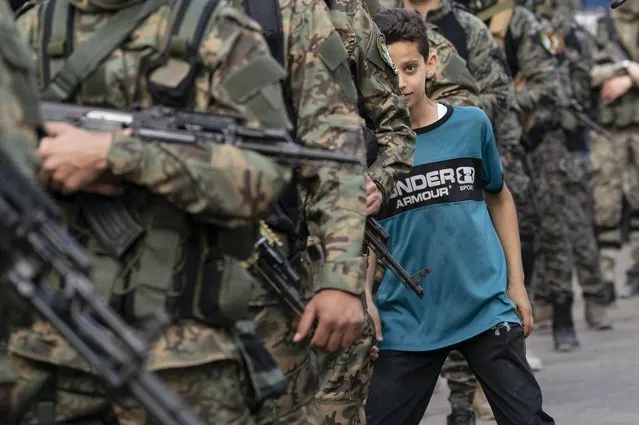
454, 213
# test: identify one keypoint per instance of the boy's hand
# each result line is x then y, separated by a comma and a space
517, 293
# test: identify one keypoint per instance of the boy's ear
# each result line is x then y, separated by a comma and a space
431, 64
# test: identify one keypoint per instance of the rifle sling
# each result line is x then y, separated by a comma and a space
90, 54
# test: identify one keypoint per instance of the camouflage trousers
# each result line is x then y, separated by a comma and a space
616, 181
344, 380
579, 213
217, 393
275, 326
554, 259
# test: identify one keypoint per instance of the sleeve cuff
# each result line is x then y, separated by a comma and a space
347, 276
126, 155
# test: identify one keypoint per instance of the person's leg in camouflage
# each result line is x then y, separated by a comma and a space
608, 160
215, 391
598, 295
275, 326
462, 384
344, 380
555, 269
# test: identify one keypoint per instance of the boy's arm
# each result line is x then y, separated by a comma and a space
504, 217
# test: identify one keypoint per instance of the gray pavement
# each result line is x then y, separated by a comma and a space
597, 385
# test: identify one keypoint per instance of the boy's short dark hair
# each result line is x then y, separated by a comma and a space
400, 24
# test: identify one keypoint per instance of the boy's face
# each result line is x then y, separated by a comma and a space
412, 71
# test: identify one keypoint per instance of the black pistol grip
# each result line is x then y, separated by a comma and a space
110, 221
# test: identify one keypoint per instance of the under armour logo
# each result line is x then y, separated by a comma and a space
465, 175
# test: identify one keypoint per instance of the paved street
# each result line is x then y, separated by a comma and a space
598, 385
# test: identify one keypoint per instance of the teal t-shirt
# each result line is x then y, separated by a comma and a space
437, 217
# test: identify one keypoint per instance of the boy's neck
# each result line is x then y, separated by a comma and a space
423, 114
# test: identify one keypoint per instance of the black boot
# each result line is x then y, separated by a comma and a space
563, 328
461, 416
632, 280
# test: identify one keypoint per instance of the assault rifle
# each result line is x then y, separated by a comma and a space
107, 217
376, 238
273, 267
31, 246
581, 114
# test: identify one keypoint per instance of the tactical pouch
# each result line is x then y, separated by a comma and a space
219, 294
171, 76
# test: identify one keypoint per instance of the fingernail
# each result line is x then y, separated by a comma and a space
297, 338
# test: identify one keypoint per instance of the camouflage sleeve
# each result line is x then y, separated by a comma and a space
452, 83
215, 182
335, 205
605, 66
537, 65
17, 138
383, 103
487, 63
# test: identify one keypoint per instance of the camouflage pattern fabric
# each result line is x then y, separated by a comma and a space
575, 63
345, 375
616, 177
214, 391
453, 83
486, 61
334, 199
615, 162
215, 183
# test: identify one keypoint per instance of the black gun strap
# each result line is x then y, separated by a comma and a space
90, 54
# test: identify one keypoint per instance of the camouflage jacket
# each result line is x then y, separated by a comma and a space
536, 65
212, 182
378, 87
324, 100
453, 83
486, 61
614, 35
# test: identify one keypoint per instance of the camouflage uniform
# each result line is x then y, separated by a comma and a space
203, 363
541, 90
453, 83
575, 63
615, 161
334, 210
17, 139
345, 375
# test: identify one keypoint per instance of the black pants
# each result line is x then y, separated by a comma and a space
403, 381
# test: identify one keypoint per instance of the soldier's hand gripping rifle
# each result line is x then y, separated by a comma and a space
375, 239
31, 246
107, 217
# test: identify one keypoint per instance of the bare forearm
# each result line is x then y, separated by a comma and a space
504, 217
370, 276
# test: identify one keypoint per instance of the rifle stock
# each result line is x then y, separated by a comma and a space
32, 245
